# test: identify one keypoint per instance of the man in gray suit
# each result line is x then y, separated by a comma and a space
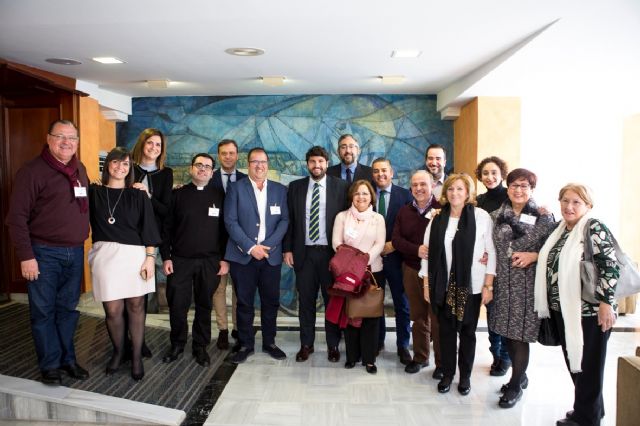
314, 202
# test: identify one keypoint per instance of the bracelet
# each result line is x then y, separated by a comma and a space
151, 255
490, 288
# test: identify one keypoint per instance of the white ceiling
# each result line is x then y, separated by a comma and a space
322, 47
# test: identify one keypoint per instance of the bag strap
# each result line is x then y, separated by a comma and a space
588, 245
373, 278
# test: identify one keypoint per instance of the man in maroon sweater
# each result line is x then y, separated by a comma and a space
407, 238
48, 222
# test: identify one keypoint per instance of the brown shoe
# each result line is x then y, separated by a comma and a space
334, 354
303, 353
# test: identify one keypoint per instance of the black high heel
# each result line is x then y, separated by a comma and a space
113, 365
137, 376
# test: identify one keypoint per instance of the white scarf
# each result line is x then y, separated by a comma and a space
569, 287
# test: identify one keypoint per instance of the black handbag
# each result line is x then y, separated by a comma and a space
548, 334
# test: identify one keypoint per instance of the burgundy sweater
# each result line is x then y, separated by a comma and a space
408, 232
43, 209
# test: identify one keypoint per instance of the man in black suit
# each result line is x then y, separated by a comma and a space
313, 204
228, 157
349, 169
390, 198
435, 161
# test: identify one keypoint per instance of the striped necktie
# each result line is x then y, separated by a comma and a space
314, 219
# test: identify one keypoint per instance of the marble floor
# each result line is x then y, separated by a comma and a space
263, 391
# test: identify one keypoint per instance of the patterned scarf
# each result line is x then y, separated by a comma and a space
70, 171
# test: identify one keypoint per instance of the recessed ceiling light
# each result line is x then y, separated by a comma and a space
108, 60
276, 80
406, 53
158, 84
63, 61
392, 79
245, 51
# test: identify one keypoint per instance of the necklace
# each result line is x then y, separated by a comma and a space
111, 219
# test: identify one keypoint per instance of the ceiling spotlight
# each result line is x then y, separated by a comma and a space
108, 60
158, 84
274, 81
392, 79
406, 53
245, 51
63, 61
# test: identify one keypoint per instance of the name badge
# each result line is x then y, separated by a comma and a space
274, 209
214, 211
80, 191
528, 219
351, 233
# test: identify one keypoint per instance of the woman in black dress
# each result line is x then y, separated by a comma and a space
122, 258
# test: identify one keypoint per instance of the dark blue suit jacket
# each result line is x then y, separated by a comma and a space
216, 180
399, 197
242, 220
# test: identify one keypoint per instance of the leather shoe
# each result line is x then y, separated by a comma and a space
445, 385
223, 340
137, 376
274, 351
413, 367
201, 356
500, 368
567, 422
404, 355
75, 371
523, 384
464, 387
333, 354
438, 374
172, 354
234, 334
242, 355
371, 368
51, 377
235, 348
303, 353
349, 365
145, 351
510, 397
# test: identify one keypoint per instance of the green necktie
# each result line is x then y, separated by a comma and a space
382, 209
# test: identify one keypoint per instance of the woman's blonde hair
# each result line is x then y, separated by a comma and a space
468, 183
581, 190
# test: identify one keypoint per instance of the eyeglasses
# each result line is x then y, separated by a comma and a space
59, 138
522, 187
258, 162
201, 166
351, 146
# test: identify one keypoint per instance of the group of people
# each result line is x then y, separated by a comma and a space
442, 251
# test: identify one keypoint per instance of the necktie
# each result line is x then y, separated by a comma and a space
226, 181
382, 209
349, 176
314, 218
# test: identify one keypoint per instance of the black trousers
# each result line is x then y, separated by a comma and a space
256, 275
588, 405
197, 276
314, 275
362, 342
466, 352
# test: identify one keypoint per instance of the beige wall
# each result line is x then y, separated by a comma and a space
96, 134
487, 126
629, 237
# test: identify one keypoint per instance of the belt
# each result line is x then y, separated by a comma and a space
317, 247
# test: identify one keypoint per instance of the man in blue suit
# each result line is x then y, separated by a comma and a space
390, 198
257, 218
227, 173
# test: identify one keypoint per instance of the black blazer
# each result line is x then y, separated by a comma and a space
216, 180
399, 197
362, 172
337, 201
160, 186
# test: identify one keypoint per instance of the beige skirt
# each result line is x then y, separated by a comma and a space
115, 271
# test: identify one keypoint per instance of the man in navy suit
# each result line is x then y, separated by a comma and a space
257, 218
227, 157
349, 169
314, 202
390, 198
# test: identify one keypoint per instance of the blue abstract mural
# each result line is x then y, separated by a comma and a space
399, 127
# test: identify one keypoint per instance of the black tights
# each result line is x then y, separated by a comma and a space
114, 311
519, 354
